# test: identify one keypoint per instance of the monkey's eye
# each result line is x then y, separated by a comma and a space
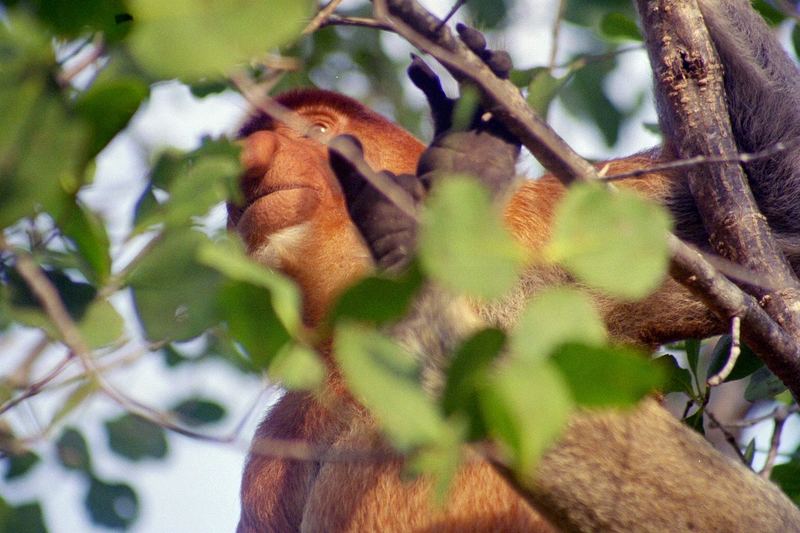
317, 129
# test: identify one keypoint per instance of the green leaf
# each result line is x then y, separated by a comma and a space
385, 379
488, 13
19, 465
677, 379
526, 406
468, 374
23, 518
193, 39
796, 39
692, 349
228, 258
463, 244
601, 376
107, 106
174, 294
41, 163
73, 453
764, 385
619, 26
378, 300
74, 400
113, 505
747, 362
695, 421
135, 438
615, 241
542, 89
199, 411
297, 367
101, 325
252, 321
554, 317
71, 19
787, 477
88, 233
749, 453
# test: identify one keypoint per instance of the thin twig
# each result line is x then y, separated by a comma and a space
781, 414
39, 385
730, 438
551, 64
700, 160
321, 17
458, 5
362, 22
733, 355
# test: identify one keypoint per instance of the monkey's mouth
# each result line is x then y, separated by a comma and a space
271, 209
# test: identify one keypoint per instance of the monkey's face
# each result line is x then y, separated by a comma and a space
293, 216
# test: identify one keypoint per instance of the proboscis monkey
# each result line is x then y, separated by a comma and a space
635, 471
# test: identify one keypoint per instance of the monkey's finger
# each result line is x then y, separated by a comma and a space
431, 86
497, 60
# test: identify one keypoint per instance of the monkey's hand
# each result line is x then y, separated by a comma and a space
485, 148
389, 231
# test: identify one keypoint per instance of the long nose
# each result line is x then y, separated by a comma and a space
258, 151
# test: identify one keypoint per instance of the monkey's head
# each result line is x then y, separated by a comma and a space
293, 216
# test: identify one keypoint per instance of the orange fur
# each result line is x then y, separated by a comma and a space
295, 219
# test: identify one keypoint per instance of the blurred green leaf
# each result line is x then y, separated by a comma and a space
601, 376
589, 13
73, 452
199, 411
695, 421
195, 182
764, 385
620, 26
585, 96
378, 300
385, 378
542, 89
554, 317
252, 321
488, 13
114, 505
75, 400
526, 406
787, 477
772, 15
19, 465
70, 19
297, 367
107, 106
463, 244
615, 241
228, 258
692, 349
88, 233
193, 39
135, 438
23, 518
747, 362
468, 374
175, 295
101, 325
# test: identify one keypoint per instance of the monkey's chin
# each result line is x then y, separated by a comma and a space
276, 211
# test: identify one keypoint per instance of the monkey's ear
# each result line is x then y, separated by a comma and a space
388, 231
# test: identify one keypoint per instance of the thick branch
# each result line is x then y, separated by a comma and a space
689, 85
